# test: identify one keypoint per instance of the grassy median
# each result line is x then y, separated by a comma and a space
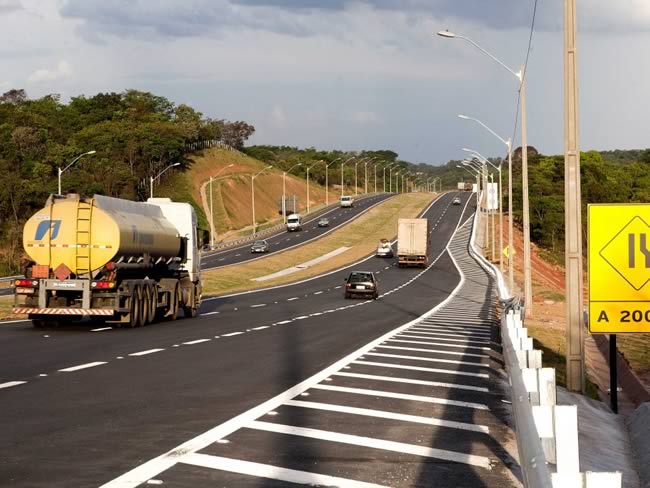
361, 236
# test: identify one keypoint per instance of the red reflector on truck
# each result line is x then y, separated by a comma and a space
29, 283
103, 285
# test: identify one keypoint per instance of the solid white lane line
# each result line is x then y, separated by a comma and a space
258, 305
356, 440
101, 329
383, 414
432, 360
210, 313
460, 346
144, 353
435, 351
9, 384
284, 322
231, 334
422, 368
82, 366
198, 341
2, 322
401, 396
261, 327
412, 381
271, 472
292, 299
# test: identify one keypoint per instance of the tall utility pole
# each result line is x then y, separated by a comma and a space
572, 207
211, 217
528, 275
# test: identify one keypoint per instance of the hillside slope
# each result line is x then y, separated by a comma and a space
232, 190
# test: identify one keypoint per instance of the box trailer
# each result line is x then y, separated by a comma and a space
413, 242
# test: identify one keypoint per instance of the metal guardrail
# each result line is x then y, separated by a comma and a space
9, 278
546, 432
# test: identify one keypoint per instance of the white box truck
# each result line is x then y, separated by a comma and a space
412, 242
294, 222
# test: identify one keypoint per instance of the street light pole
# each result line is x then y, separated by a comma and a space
61, 171
152, 179
572, 208
327, 191
212, 231
284, 191
253, 195
343, 164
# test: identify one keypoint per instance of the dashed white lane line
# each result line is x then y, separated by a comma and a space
301, 317
284, 322
81, 366
318, 293
355, 440
210, 313
9, 384
382, 414
271, 472
292, 299
237, 255
337, 287
261, 327
198, 341
101, 329
144, 353
232, 334
402, 396
258, 305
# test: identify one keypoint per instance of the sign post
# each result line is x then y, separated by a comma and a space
619, 272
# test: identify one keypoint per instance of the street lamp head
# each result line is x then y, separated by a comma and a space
464, 117
176, 164
447, 34
91, 152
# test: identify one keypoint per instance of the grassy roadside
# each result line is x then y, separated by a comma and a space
6, 303
361, 236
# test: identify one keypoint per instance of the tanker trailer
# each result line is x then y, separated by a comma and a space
124, 262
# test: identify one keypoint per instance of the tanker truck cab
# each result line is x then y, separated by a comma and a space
123, 262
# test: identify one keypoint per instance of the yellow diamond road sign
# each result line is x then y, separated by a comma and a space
619, 268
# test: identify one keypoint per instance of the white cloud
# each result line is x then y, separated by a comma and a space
9, 6
63, 70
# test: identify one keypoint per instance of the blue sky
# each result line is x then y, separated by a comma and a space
346, 75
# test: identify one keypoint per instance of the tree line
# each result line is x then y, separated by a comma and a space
135, 135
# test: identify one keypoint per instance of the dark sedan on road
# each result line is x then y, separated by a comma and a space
323, 222
361, 283
260, 247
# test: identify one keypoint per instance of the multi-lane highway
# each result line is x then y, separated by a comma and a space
295, 377
284, 240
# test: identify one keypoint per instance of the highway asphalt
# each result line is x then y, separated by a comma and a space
283, 240
82, 406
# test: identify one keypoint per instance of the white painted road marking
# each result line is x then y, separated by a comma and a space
82, 366
144, 353
284, 322
413, 381
260, 328
401, 396
318, 293
198, 341
292, 299
461, 346
210, 313
271, 472
422, 349
9, 384
231, 334
356, 440
422, 368
258, 305
382, 414
101, 329
432, 360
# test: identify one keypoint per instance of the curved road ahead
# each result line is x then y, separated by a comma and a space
283, 240
96, 404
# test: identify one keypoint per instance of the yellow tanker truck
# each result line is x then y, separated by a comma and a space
124, 262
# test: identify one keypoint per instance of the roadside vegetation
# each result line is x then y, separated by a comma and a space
360, 236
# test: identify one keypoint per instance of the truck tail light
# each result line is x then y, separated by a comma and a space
103, 285
348, 285
26, 283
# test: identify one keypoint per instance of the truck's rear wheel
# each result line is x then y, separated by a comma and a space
153, 302
144, 307
175, 300
191, 308
135, 308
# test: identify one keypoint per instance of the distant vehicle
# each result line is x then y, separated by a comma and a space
469, 186
361, 283
323, 222
347, 201
412, 242
456, 201
461, 186
260, 246
294, 222
128, 263
384, 249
